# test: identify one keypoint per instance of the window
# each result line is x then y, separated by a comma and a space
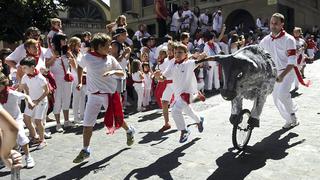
126, 5
147, 3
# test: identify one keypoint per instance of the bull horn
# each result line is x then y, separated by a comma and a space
221, 58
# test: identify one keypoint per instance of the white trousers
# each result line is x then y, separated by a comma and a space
78, 101
22, 138
282, 97
139, 89
212, 78
62, 96
146, 97
178, 107
93, 108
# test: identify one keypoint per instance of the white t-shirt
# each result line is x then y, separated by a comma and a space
57, 69
96, 67
74, 71
136, 77
20, 52
147, 80
12, 105
204, 19
217, 23
175, 23
166, 63
279, 48
50, 36
35, 85
187, 21
184, 80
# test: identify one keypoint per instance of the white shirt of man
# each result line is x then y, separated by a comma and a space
20, 52
166, 63
12, 104
175, 23
96, 67
217, 22
282, 50
35, 85
182, 76
187, 21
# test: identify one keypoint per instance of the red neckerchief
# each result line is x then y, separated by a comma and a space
36, 72
4, 95
96, 54
211, 45
281, 34
55, 30
36, 57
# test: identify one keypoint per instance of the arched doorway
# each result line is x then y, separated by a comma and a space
240, 17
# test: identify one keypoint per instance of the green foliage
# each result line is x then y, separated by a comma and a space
17, 15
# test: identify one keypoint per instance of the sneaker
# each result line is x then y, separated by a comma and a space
200, 125
184, 135
68, 124
30, 162
201, 96
294, 120
130, 136
59, 128
41, 145
141, 109
81, 156
287, 125
47, 135
77, 121
164, 128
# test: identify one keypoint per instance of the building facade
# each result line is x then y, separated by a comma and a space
235, 12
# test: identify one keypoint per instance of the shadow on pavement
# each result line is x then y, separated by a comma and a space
78, 130
150, 117
78, 172
155, 136
233, 165
162, 166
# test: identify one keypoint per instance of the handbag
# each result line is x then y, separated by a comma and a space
67, 76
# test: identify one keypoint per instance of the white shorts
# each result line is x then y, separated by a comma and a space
22, 139
93, 108
167, 93
39, 112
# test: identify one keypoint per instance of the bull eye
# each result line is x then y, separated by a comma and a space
240, 75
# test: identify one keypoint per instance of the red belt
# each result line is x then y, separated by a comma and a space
168, 81
137, 81
185, 97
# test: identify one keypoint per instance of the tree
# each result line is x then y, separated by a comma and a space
18, 15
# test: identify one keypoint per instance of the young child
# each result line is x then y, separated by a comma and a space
147, 76
101, 90
35, 85
138, 82
85, 44
79, 96
10, 102
165, 91
56, 26
59, 60
182, 71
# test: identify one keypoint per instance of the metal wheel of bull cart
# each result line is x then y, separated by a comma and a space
241, 131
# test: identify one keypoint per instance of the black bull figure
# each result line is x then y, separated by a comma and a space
249, 73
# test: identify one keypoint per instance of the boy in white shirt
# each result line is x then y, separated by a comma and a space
35, 85
101, 90
10, 101
181, 71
